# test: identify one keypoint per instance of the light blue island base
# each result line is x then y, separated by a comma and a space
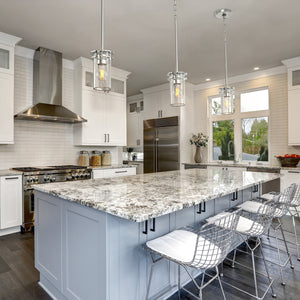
84, 253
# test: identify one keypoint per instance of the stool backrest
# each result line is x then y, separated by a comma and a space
214, 241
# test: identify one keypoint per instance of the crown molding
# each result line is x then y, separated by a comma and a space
136, 97
292, 62
241, 78
8, 39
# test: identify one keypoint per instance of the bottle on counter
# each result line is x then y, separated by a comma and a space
96, 158
106, 158
84, 158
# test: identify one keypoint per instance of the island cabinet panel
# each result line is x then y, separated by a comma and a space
83, 253
48, 258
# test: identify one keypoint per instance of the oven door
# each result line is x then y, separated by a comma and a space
28, 210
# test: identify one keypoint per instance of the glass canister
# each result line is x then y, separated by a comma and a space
106, 158
96, 158
84, 158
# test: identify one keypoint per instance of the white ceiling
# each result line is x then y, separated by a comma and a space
141, 34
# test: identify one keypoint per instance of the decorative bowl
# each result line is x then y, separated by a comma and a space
288, 161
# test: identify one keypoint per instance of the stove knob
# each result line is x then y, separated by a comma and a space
36, 179
52, 179
74, 175
69, 177
46, 178
86, 175
80, 175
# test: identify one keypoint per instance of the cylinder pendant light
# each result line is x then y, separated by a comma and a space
226, 92
177, 79
102, 62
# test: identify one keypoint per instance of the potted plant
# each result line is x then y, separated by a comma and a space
199, 140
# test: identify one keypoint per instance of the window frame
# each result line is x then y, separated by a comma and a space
237, 117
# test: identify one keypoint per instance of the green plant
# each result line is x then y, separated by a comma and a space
199, 140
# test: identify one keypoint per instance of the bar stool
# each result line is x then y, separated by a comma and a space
254, 227
203, 250
293, 211
282, 201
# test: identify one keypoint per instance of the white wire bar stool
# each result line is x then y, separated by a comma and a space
292, 207
203, 250
254, 227
282, 201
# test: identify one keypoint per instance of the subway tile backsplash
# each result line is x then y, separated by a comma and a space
42, 143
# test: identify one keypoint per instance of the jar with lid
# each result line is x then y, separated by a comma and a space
106, 158
84, 158
96, 158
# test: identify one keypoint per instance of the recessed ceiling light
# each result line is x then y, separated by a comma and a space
207, 79
256, 68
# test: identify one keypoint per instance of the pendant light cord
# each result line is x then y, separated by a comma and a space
102, 25
176, 35
225, 51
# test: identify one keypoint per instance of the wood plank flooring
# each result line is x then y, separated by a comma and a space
19, 278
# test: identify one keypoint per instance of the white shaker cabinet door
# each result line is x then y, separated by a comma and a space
7, 108
93, 131
116, 120
293, 117
288, 177
11, 201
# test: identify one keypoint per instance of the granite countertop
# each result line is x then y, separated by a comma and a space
243, 166
113, 167
9, 172
145, 196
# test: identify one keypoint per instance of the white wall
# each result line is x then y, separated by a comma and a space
42, 143
278, 97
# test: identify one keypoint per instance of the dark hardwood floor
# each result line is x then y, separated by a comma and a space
19, 278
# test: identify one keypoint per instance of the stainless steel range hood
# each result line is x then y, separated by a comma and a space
47, 91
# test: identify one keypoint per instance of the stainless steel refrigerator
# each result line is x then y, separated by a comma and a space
161, 145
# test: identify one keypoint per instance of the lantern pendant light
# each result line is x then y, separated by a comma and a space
102, 62
177, 79
226, 92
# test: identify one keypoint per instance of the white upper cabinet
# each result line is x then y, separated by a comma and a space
293, 66
105, 113
7, 56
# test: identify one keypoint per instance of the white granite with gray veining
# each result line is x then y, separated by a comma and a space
145, 196
9, 172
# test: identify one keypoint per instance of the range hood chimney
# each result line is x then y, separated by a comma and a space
47, 90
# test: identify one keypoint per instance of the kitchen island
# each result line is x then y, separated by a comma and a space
89, 234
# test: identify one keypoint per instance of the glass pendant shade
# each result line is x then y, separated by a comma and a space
102, 70
177, 88
227, 100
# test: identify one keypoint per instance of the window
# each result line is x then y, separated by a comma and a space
243, 135
255, 139
254, 101
223, 140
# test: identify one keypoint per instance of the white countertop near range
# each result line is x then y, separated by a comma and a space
8, 172
145, 196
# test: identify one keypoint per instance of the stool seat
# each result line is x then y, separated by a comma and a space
244, 225
180, 245
255, 206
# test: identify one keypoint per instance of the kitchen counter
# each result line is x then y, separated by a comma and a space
93, 239
9, 172
113, 167
275, 167
142, 197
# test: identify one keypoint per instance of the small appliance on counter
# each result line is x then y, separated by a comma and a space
106, 158
96, 158
84, 158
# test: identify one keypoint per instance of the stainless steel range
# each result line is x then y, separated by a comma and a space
38, 175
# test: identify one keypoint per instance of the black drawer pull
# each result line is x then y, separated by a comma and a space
235, 196
255, 189
199, 211
153, 225
121, 171
294, 172
145, 231
11, 178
